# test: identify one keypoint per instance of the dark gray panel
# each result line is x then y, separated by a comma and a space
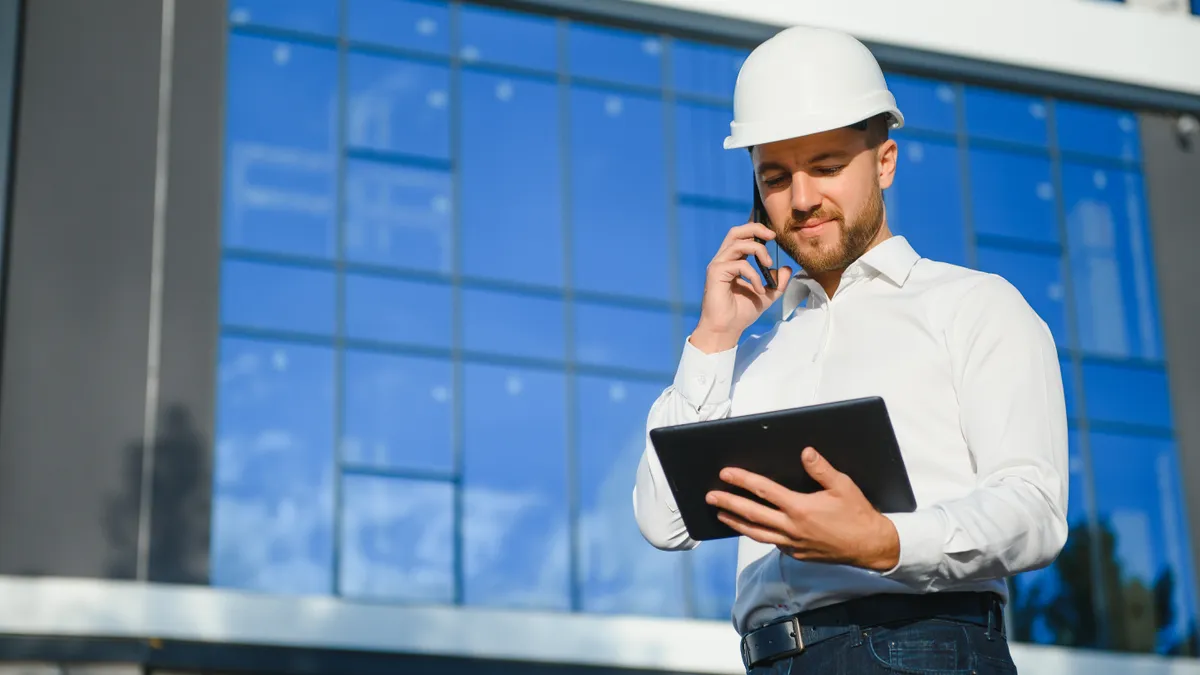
1171, 170
74, 379
10, 12
182, 488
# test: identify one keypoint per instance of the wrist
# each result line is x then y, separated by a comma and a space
885, 554
712, 342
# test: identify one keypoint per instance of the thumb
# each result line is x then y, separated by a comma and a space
783, 277
820, 469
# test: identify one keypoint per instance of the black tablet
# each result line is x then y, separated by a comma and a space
856, 436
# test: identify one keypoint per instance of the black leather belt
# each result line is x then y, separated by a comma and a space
791, 635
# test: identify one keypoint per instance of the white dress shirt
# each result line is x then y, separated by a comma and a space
972, 383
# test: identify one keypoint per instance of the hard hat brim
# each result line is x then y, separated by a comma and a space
744, 135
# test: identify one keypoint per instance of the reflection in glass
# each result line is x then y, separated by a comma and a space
397, 412
405, 24
280, 155
924, 203
624, 337
278, 297
615, 55
397, 539
516, 536
399, 216
1111, 262
620, 572
319, 17
502, 37
617, 148
1006, 116
381, 309
705, 70
1012, 195
1145, 553
515, 324
1097, 131
702, 166
272, 524
398, 106
511, 179
926, 104
1128, 394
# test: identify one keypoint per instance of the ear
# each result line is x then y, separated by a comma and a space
886, 155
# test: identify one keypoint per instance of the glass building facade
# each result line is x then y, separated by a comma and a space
462, 247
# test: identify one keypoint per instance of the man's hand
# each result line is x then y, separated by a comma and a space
836, 525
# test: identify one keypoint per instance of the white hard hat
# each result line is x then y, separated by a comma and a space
804, 81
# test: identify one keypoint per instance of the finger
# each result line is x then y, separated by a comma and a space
748, 231
764, 535
783, 277
749, 510
760, 486
821, 470
729, 271
741, 248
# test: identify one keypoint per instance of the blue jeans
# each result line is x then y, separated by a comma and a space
917, 648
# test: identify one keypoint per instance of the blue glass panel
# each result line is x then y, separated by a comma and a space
614, 55
281, 154
1129, 394
1139, 506
701, 231
703, 166
1005, 116
319, 17
1039, 277
515, 530
1054, 605
624, 337
511, 179
516, 324
399, 216
1101, 132
507, 38
714, 579
1012, 195
925, 203
1112, 262
397, 412
391, 310
273, 486
400, 106
926, 104
617, 149
397, 539
419, 26
278, 297
705, 70
619, 572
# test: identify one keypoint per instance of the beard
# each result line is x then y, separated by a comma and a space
816, 256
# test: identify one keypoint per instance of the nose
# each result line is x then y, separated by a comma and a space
805, 194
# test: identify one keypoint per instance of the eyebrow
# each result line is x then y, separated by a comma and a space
766, 167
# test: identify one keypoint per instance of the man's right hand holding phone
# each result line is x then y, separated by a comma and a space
734, 296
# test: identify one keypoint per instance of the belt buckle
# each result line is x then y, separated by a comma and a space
793, 627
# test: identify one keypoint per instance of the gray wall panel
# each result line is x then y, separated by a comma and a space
1171, 172
74, 378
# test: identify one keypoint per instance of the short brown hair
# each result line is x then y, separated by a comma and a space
877, 129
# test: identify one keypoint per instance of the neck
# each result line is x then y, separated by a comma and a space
830, 280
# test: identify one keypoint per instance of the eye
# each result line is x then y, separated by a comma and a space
829, 170
775, 181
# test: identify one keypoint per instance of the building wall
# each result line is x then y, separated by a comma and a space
349, 283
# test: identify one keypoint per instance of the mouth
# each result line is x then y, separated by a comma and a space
813, 228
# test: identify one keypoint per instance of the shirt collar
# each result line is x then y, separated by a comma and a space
892, 258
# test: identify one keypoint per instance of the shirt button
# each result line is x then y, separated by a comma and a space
703, 379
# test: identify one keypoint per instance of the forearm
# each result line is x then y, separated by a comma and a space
1000, 529
700, 392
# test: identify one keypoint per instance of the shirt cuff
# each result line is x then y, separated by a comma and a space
705, 379
922, 536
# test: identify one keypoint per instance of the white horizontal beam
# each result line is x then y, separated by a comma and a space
96, 608
1088, 38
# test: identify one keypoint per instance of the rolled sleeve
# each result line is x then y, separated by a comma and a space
705, 380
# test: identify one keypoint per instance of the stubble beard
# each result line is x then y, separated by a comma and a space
853, 239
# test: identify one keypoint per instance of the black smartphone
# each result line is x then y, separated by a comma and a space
758, 214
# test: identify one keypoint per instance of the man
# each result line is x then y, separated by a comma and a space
825, 583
